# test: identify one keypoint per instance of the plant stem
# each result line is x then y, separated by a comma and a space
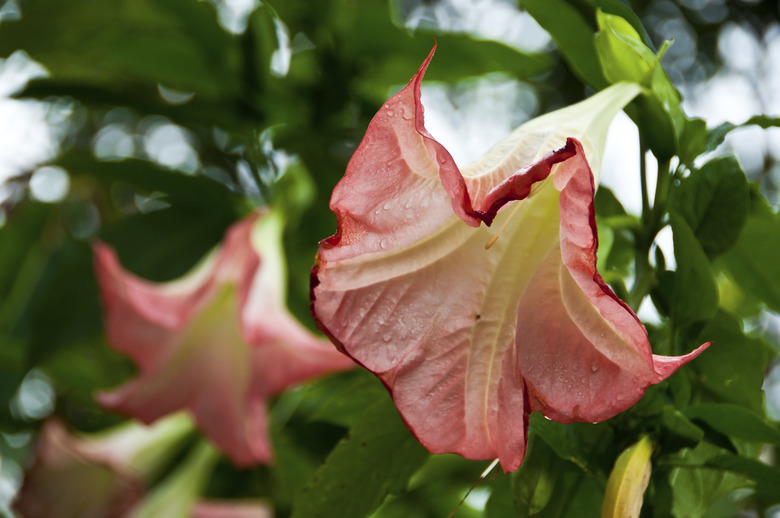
643, 177
652, 218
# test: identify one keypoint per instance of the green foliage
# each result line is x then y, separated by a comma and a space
265, 136
689, 294
733, 369
752, 260
714, 202
572, 33
350, 479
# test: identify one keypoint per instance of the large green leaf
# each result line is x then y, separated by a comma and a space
735, 421
715, 136
23, 256
165, 244
54, 319
580, 443
501, 502
572, 32
374, 460
536, 479
732, 369
714, 201
695, 488
547, 486
753, 261
395, 56
343, 399
174, 42
147, 178
693, 295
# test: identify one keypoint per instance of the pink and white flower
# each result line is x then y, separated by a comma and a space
472, 328
218, 342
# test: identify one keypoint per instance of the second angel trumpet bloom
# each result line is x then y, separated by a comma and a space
472, 328
219, 342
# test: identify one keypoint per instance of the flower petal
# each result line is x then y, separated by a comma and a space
219, 342
411, 292
63, 481
583, 353
231, 509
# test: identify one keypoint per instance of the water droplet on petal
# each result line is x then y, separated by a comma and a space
594, 367
386, 337
383, 243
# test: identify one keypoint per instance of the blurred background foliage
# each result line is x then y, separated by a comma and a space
162, 122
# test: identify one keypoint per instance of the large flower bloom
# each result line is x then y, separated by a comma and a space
218, 342
468, 331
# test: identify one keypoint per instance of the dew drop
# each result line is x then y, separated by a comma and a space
406, 115
594, 367
383, 243
386, 337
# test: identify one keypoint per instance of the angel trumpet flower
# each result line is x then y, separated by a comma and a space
218, 342
96, 475
470, 340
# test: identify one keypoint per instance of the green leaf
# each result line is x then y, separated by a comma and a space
732, 369
753, 261
55, 320
165, 244
573, 34
714, 202
692, 140
716, 135
535, 480
751, 468
374, 460
501, 502
694, 294
147, 178
343, 399
680, 431
12, 372
580, 443
174, 42
547, 486
23, 256
735, 421
293, 466
694, 488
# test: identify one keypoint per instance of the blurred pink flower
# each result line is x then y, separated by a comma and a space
218, 342
468, 330
231, 509
95, 476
